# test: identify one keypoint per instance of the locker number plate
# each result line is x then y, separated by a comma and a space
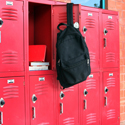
10, 81
90, 76
110, 74
109, 17
89, 14
9, 3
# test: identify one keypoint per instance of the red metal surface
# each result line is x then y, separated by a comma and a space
90, 102
12, 91
11, 46
90, 21
110, 111
42, 86
110, 41
69, 106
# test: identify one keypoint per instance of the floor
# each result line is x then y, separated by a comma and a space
122, 123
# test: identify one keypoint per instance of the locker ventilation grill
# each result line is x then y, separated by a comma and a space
110, 57
9, 57
41, 89
70, 89
11, 92
91, 118
111, 82
9, 14
63, 19
91, 84
69, 121
111, 114
110, 25
44, 123
90, 23
92, 56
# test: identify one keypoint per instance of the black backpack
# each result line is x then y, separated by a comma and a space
73, 61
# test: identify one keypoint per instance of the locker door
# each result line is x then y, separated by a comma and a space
90, 31
110, 40
41, 100
90, 100
11, 36
12, 110
110, 105
60, 16
68, 106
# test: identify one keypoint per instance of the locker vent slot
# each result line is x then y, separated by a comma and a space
110, 57
92, 57
10, 92
63, 19
69, 121
90, 84
110, 25
91, 118
90, 23
70, 89
9, 14
111, 114
44, 123
41, 89
111, 82
9, 57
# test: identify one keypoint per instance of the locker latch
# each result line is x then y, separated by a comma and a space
1, 22
34, 98
2, 102
106, 90
1, 118
85, 92
105, 31
62, 95
84, 29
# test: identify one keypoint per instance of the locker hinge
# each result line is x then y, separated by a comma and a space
24, 83
52, 12
23, 8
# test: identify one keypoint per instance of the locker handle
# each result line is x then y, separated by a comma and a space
85, 104
1, 118
105, 42
105, 101
61, 108
34, 113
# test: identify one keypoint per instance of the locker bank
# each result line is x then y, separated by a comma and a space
36, 97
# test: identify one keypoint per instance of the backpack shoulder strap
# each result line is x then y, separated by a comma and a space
70, 14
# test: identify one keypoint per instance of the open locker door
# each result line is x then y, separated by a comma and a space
60, 16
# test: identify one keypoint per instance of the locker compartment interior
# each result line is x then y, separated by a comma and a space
40, 27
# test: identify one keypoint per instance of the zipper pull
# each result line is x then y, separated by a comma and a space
59, 62
88, 61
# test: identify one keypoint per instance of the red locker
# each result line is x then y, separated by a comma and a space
89, 100
110, 40
110, 99
42, 100
68, 106
12, 110
60, 16
90, 31
11, 36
